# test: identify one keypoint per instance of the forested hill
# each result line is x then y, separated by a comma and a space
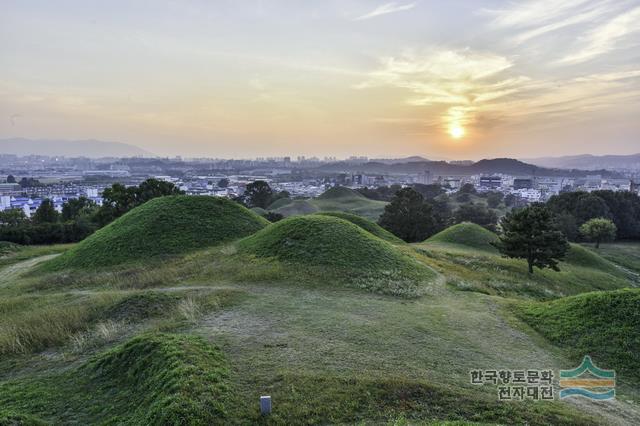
496, 165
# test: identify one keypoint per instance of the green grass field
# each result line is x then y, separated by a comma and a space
338, 325
336, 199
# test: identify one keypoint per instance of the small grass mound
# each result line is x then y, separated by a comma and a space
605, 325
165, 378
296, 207
161, 227
580, 256
336, 248
154, 378
143, 305
466, 235
339, 192
367, 225
280, 202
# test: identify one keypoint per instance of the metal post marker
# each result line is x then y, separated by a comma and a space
265, 405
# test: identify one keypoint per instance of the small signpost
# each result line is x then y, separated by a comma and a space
265, 405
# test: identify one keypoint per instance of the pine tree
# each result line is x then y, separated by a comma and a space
531, 234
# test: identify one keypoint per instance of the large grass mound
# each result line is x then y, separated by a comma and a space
338, 249
162, 226
347, 200
466, 235
339, 192
296, 207
366, 224
156, 378
605, 325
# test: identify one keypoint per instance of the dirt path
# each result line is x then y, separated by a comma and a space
12, 271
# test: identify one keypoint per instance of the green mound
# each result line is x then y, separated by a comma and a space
366, 224
154, 378
281, 202
296, 207
339, 251
160, 227
605, 325
339, 192
580, 256
169, 379
466, 235
139, 306
259, 211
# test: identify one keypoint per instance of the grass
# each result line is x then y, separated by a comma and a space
296, 207
336, 199
155, 378
36, 322
320, 241
470, 269
162, 227
465, 236
200, 336
367, 225
625, 254
605, 325
19, 254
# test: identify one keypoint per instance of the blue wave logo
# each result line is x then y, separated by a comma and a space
600, 385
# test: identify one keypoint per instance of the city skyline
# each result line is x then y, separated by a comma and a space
384, 79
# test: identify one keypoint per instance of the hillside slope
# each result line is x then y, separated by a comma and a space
162, 226
605, 325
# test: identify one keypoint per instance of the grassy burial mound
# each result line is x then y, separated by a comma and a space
465, 236
347, 200
605, 325
295, 208
160, 227
366, 224
154, 378
336, 248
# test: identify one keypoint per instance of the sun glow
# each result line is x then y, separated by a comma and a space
456, 131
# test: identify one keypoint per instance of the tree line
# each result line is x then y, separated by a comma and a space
80, 217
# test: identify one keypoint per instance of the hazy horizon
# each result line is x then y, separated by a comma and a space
458, 80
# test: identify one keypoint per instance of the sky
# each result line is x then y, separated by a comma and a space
455, 79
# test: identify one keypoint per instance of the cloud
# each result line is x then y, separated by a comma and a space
385, 9
526, 13
466, 88
603, 38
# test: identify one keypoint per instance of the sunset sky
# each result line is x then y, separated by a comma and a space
246, 78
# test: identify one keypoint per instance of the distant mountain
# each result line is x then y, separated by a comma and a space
589, 162
442, 168
411, 159
81, 148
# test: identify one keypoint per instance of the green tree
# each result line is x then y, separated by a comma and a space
531, 234
153, 188
119, 199
428, 192
258, 194
11, 179
73, 208
598, 230
223, 183
12, 217
46, 213
467, 188
494, 199
476, 213
407, 216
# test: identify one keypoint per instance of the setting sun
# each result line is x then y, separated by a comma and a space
456, 132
